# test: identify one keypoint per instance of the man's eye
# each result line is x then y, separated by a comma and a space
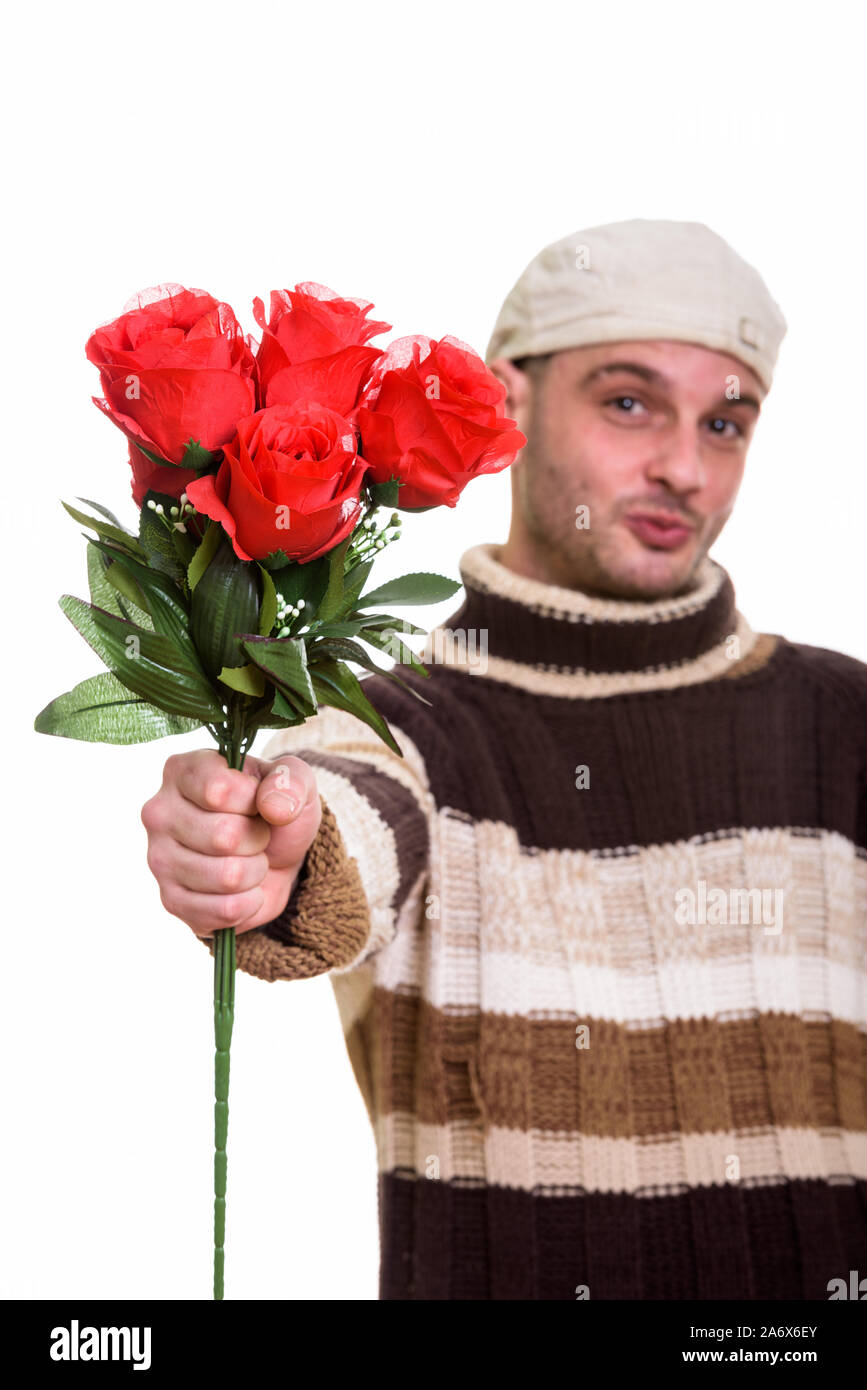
627, 401
719, 421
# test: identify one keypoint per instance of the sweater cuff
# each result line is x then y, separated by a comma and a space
325, 923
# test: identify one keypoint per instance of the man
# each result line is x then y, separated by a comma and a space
598, 936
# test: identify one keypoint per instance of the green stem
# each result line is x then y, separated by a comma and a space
232, 743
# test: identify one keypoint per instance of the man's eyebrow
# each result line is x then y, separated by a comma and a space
655, 378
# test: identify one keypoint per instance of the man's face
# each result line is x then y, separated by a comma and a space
651, 439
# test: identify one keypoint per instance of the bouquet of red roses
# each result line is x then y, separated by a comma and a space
259, 470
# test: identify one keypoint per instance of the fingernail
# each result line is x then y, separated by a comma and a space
283, 802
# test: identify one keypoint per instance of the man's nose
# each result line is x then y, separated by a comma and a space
678, 460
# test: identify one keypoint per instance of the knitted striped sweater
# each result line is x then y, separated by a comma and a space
598, 942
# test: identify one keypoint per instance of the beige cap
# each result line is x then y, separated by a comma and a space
641, 279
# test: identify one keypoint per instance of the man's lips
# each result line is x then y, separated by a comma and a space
663, 530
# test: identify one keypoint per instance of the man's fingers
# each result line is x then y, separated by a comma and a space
289, 799
287, 785
206, 873
206, 913
290, 843
217, 832
204, 778
270, 805
225, 844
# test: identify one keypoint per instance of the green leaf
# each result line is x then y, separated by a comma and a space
224, 603
204, 554
385, 494
336, 685
291, 704
389, 620
158, 543
303, 581
110, 516
277, 560
384, 642
104, 589
102, 710
353, 584
347, 629
147, 663
333, 600
268, 611
248, 679
278, 713
121, 538
284, 659
286, 712
166, 605
275, 711
154, 458
341, 650
185, 545
198, 457
412, 588
134, 609
351, 651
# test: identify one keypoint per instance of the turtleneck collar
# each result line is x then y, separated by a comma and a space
564, 642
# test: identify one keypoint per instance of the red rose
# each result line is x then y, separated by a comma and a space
148, 476
433, 415
312, 347
290, 480
174, 366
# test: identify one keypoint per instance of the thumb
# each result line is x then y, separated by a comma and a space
285, 788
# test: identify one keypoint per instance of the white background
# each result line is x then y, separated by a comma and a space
417, 157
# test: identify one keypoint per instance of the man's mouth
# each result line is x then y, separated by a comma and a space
663, 531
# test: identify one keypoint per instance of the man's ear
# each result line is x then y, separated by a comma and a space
519, 388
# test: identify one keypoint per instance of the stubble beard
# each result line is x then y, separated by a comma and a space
596, 559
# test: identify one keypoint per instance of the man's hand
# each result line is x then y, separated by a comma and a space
226, 846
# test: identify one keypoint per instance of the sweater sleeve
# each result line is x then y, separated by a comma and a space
368, 862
